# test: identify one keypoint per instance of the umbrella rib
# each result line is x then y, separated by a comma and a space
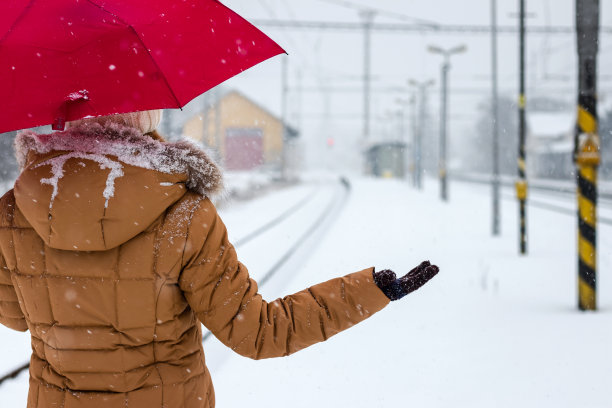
23, 13
131, 27
178, 103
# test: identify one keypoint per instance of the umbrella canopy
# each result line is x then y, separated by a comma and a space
68, 59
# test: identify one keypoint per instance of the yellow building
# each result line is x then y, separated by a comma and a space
245, 134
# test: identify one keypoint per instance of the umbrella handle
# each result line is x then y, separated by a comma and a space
60, 120
59, 123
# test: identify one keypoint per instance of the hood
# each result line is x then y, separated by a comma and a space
94, 187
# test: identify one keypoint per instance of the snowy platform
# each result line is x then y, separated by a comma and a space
493, 329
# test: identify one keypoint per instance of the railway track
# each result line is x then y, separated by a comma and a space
326, 215
562, 190
320, 221
562, 186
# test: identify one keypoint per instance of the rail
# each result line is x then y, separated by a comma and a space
559, 188
562, 186
338, 199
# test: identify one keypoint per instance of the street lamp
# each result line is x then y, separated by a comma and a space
367, 16
404, 103
418, 134
444, 111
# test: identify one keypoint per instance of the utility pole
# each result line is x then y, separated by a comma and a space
521, 184
442, 167
368, 19
412, 102
284, 111
166, 124
219, 139
587, 154
403, 103
402, 138
299, 102
418, 142
495, 122
205, 122
415, 132
399, 114
443, 122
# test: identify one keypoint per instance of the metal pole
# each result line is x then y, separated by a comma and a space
205, 122
401, 129
403, 139
284, 99
442, 161
166, 124
415, 136
443, 124
587, 152
495, 122
218, 137
419, 124
368, 17
419, 141
300, 111
521, 184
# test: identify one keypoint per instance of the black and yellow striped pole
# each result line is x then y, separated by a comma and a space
587, 153
521, 184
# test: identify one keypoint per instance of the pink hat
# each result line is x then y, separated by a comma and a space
145, 121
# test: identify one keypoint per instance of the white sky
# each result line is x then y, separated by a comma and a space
335, 59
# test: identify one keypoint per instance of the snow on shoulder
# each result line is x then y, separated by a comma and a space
95, 141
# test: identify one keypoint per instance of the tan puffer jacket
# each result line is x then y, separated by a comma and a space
112, 255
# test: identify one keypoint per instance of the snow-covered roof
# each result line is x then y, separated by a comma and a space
564, 146
224, 93
550, 124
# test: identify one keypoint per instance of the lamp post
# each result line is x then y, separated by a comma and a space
368, 19
495, 184
403, 133
444, 112
418, 139
404, 103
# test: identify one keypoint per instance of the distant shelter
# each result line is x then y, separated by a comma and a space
386, 159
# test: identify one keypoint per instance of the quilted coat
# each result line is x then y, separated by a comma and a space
112, 254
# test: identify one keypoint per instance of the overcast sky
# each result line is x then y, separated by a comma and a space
333, 60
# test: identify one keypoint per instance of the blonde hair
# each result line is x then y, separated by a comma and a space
145, 121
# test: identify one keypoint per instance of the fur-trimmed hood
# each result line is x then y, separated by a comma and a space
131, 147
95, 186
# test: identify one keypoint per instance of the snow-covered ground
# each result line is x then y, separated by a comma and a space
493, 329
248, 184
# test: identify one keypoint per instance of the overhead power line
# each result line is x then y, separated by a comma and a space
460, 91
381, 12
417, 28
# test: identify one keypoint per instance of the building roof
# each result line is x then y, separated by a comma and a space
550, 124
291, 131
385, 144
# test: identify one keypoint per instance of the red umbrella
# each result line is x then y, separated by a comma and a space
68, 59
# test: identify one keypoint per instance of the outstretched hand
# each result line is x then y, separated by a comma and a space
396, 288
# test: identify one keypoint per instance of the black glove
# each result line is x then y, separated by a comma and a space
396, 288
